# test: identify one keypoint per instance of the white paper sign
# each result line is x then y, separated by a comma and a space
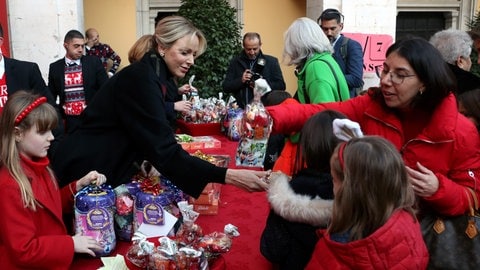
159, 230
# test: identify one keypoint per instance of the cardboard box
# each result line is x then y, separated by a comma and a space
194, 129
201, 142
204, 209
207, 202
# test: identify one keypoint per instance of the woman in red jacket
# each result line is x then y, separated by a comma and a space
32, 233
415, 110
373, 224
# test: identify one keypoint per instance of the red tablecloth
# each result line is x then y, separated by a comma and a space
247, 211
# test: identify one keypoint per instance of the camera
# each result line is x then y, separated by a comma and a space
255, 76
256, 70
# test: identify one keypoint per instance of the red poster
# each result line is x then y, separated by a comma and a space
4, 22
374, 47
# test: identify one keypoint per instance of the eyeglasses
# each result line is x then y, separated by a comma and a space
394, 76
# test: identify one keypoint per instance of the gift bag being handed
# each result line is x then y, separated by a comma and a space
256, 128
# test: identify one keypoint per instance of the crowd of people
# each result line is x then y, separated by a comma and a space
358, 168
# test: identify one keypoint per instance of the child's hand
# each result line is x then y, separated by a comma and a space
92, 177
85, 244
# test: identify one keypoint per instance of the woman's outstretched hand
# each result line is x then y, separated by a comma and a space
248, 180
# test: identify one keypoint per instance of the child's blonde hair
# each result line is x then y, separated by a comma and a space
43, 118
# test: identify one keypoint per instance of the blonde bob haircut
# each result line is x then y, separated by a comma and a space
303, 39
172, 28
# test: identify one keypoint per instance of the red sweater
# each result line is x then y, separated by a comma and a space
448, 145
396, 245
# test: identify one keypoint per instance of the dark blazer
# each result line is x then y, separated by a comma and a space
23, 75
94, 76
353, 66
466, 80
233, 84
125, 124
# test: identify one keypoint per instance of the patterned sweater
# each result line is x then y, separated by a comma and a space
105, 52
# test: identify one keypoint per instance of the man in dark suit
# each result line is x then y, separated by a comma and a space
347, 52
20, 75
75, 79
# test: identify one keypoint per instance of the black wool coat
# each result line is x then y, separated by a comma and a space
233, 84
125, 124
23, 75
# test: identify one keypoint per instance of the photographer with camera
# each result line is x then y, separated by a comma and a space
250, 65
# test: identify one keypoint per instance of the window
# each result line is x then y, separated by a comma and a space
422, 24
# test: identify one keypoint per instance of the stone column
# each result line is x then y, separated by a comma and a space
37, 29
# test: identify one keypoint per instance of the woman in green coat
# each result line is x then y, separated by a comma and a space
320, 79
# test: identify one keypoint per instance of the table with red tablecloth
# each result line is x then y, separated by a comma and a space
247, 211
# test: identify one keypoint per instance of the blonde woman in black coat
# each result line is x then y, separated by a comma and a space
126, 122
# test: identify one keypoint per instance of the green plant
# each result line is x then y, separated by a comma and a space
217, 20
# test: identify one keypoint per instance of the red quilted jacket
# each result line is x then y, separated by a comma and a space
396, 245
449, 145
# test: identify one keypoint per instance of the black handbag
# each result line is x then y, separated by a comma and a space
453, 242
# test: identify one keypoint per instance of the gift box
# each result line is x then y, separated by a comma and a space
201, 142
208, 201
206, 209
199, 129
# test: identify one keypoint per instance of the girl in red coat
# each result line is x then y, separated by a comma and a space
32, 233
373, 224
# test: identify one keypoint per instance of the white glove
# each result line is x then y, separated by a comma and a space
345, 129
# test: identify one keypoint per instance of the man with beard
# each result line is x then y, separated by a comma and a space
250, 65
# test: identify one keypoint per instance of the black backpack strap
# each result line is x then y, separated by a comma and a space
344, 48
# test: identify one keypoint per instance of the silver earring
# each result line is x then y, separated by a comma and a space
162, 54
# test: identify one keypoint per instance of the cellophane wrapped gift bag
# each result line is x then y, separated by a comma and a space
124, 203
256, 128
232, 122
189, 249
94, 216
